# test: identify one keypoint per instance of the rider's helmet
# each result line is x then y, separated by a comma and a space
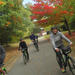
21, 39
54, 30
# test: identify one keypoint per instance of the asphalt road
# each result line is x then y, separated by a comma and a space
42, 63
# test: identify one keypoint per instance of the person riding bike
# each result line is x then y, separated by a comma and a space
2, 57
23, 46
56, 38
33, 38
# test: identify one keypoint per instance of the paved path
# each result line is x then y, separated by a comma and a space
42, 63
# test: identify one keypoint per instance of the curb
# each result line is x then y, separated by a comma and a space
11, 62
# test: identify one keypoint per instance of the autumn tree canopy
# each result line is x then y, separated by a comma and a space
48, 12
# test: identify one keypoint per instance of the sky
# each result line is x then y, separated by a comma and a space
28, 1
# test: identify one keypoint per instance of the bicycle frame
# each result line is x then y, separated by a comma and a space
66, 58
69, 61
35, 41
36, 44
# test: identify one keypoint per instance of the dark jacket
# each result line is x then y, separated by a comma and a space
32, 37
23, 45
2, 51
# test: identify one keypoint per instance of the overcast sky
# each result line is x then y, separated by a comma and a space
28, 1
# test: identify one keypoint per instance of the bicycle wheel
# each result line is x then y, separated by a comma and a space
2, 73
37, 48
62, 60
24, 58
71, 64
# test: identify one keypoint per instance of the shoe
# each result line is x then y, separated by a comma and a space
63, 70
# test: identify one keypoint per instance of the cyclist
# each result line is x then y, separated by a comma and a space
2, 57
33, 38
23, 46
56, 38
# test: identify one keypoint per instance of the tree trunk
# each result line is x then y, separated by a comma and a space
67, 25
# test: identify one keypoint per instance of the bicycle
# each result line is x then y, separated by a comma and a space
67, 60
25, 58
3, 71
36, 44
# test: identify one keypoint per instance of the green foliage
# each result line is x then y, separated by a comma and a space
36, 30
48, 28
15, 21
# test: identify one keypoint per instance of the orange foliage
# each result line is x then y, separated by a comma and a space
6, 25
1, 2
11, 5
8, 22
19, 19
13, 17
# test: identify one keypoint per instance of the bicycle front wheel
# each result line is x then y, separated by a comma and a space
2, 73
71, 64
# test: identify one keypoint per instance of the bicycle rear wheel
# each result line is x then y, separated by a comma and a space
37, 48
24, 58
71, 64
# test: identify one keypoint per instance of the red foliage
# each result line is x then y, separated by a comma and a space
71, 13
38, 13
72, 36
64, 12
45, 8
61, 4
42, 21
36, 6
58, 2
33, 17
48, 7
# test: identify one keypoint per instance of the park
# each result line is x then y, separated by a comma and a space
19, 18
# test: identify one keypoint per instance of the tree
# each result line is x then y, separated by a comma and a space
15, 21
72, 21
52, 12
